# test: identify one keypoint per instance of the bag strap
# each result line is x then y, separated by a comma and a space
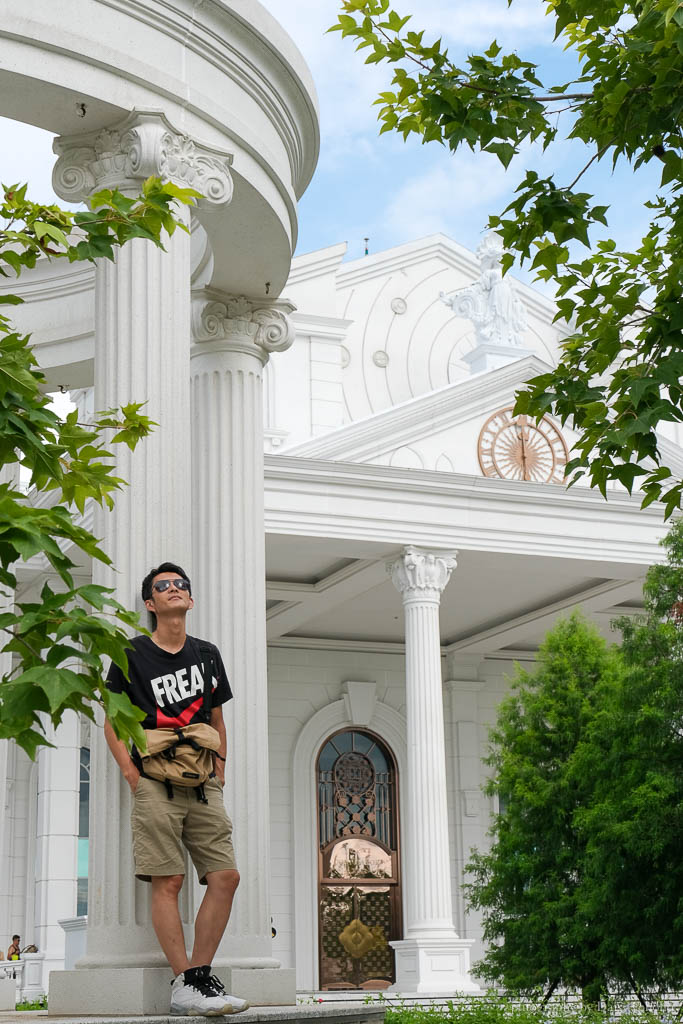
201, 649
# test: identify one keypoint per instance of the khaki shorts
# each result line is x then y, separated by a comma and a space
161, 827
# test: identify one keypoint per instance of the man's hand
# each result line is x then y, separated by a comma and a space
122, 757
220, 755
132, 777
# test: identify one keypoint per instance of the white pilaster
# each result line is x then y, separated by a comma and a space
431, 957
470, 812
6, 604
56, 842
233, 337
9, 474
142, 353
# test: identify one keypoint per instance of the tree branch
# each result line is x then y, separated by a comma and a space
596, 156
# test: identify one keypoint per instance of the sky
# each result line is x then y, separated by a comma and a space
384, 189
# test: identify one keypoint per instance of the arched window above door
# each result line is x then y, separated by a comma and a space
356, 788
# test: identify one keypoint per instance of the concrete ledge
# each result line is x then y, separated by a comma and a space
262, 987
330, 1013
147, 990
8, 993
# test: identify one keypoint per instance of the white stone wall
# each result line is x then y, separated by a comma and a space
471, 701
302, 682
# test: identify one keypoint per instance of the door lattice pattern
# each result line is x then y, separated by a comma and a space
356, 926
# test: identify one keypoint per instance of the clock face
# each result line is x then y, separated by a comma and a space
517, 448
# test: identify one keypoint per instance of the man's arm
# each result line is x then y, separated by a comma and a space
219, 725
122, 756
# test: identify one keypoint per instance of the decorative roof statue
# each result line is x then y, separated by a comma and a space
498, 315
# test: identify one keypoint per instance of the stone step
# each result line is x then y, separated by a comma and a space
328, 1013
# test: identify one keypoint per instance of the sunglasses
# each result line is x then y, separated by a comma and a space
163, 585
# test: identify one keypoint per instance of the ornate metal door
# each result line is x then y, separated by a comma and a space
360, 897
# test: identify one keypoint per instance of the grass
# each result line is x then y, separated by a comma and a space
33, 1004
494, 1009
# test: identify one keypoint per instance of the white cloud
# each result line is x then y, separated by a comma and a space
455, 194
347, 87
476, 24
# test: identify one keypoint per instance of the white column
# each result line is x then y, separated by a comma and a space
56, 841
142, 353
233, 340
431, 957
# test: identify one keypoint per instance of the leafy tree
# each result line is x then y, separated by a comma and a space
620, 371
530, 883
633, 825
60, 640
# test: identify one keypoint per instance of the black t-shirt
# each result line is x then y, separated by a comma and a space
169, 688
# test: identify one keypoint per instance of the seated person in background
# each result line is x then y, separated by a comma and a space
14, 950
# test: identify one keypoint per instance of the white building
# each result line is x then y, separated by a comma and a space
356, 760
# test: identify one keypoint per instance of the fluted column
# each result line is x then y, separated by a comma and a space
431, 957
233, 338
142, 354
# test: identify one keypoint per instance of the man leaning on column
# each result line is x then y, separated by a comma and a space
181, 685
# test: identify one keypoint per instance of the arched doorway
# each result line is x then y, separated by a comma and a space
358, 861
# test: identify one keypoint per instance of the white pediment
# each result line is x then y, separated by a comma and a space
437, 431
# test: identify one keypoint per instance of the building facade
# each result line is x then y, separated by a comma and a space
374, 538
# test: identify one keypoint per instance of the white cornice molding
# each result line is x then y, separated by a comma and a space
438, 246
340, 646
319, 263
305, 497
326, 328
387, 261
672, 455
205, 30
418, 417
50, 280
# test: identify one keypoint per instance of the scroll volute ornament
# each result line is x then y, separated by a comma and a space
125, 154
516, 448
233, 318
421, 573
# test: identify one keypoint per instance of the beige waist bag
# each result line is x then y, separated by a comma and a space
181, 757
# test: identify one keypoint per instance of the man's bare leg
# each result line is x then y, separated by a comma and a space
166, 920
213, 915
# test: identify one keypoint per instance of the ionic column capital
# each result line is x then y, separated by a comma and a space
239, 322
422, 574
123, 155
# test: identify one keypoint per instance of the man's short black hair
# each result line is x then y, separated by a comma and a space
164, 567
15, 937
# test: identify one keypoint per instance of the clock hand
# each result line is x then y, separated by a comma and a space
522, 426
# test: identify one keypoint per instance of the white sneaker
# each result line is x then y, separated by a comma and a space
196, 992
236, 1004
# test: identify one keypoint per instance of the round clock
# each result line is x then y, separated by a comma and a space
516, 448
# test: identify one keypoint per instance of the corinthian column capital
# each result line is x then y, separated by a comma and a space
242, 322
125, 154
419, 573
